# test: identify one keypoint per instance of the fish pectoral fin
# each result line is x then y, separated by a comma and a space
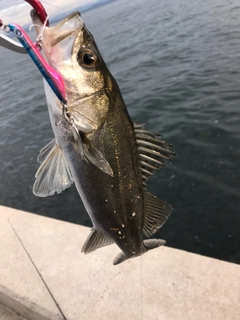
153, 153
88, 152
155, 215
94, 241
96, 157
54, 174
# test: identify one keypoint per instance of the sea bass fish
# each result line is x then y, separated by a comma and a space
98, 147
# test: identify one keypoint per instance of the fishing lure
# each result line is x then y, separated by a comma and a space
52, 77
26, 45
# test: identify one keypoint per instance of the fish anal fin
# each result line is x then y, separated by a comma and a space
155, 214
94, 241
53, 174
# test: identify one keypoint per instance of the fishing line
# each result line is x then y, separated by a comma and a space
40, 36
141, 290
54, 6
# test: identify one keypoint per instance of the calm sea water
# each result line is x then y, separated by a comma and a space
177, 63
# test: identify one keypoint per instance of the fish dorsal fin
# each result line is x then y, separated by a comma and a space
94, 241
53, 174
155, 214
153, 152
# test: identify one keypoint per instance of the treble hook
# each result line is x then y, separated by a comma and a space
75, 132
65, 115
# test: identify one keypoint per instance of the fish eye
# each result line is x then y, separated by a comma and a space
87, 58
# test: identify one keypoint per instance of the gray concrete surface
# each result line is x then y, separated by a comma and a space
6, 314
164, 284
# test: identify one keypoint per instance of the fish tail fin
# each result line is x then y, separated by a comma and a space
153, 243
149, 244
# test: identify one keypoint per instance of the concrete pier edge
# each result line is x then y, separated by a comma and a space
44, 276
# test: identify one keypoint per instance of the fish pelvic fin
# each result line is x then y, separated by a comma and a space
54, 173
153, 153
155, 215
94, 241
148, 244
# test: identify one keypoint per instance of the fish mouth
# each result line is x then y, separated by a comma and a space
60, 31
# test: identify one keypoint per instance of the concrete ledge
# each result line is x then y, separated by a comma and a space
21, 288
6, 314
43, 275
